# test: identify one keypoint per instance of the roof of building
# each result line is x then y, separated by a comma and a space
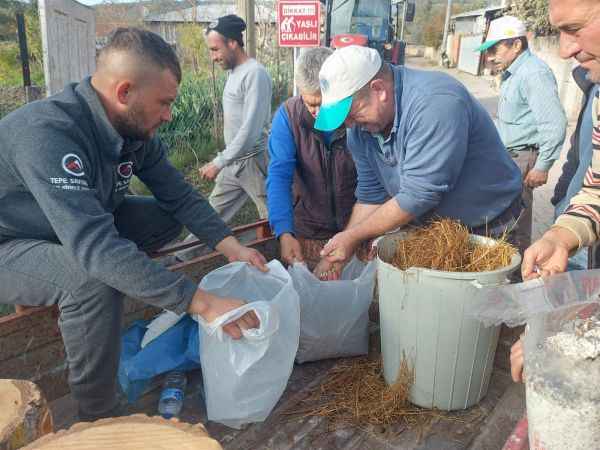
477, 12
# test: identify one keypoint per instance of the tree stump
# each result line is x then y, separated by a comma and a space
24, 414
136, 432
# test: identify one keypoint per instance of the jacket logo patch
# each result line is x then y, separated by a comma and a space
125, 169
72, 164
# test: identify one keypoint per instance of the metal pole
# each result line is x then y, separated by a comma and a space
403, 20
296, 56
328, 10
446, 26
396, 34
245, 9
22, 36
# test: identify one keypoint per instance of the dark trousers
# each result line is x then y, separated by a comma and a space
525, 159
42, 273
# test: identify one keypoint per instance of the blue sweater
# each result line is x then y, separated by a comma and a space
444, 156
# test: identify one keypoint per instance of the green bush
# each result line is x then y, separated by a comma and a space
535, 15
196, 125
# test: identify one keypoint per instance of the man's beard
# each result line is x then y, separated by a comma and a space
129, 126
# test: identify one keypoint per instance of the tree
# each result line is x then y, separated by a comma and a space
10, 58
535, 15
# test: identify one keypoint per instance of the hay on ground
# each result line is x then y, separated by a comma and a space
356, 394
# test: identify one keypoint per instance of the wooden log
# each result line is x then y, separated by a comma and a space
24, 414
136, 432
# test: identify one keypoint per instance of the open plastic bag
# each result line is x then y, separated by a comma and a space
561, 354
244, 379
334, 315
515, 304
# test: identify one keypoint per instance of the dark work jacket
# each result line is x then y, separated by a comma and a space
570, 166
325, 177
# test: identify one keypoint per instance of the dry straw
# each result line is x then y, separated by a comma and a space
445, 245
355, 393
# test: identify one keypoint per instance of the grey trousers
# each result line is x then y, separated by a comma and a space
43, 273
236, 183
525, 159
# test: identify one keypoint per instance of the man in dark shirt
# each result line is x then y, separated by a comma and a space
69, 234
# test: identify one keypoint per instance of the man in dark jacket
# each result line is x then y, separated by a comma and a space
570, 182
69, 234
579, 155
311, 178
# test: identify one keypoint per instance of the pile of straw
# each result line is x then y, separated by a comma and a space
444, 245
356, 392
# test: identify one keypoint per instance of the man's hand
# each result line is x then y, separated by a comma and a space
340, 247
328, 271
251, 256
516, 361
291, 251
210, 307
234, 251
549, 255
535, 178
209, 171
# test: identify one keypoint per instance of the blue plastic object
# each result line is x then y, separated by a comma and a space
176, 349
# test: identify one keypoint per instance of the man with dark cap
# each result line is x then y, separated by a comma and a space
240, 169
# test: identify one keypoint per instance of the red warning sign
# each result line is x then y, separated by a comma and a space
298, 23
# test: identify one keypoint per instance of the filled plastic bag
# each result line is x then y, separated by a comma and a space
169, 351
244, 379
334, 315
561, 354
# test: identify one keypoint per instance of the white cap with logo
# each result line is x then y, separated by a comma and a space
342, 75
505, 27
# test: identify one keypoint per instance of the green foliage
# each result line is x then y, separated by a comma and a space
535, 15
433, 29
10, 60
196, 113
192, 49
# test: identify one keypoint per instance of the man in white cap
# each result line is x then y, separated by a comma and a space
422, 145
531, 120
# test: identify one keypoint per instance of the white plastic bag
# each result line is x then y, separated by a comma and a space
334, 315
244, 379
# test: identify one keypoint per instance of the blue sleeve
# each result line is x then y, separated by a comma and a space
369, 189
436, 143
282, 164
541, 92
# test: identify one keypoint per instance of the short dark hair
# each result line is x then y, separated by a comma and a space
146, 45
510, 41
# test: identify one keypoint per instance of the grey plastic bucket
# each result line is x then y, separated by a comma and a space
424, 315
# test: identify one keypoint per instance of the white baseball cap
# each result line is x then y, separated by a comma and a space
505, 27
343, 74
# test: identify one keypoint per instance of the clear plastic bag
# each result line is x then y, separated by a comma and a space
561, 354
514, 304
244, 379
334, 315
